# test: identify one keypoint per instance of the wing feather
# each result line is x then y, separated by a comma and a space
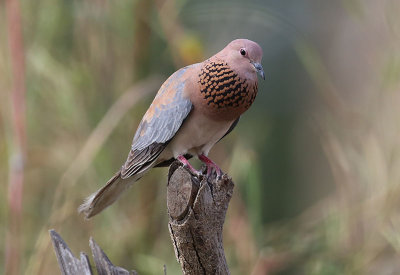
230, 128
159, 125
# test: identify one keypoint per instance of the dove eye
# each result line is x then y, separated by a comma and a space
242, 52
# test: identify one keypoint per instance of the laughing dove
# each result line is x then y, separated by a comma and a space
195, 107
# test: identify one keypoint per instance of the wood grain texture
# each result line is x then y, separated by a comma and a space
197, 235
103, 265
69, 265
181, 192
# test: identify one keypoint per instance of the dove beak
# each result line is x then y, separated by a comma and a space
259, 69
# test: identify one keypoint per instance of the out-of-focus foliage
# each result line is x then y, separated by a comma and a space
316, 160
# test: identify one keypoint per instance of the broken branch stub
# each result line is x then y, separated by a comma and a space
196, 216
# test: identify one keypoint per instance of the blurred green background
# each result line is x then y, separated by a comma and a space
316, 160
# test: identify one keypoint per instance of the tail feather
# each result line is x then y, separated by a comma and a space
106, 196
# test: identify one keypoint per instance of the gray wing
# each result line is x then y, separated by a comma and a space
230, 128
159, 125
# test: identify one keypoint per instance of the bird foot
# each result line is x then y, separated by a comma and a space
186, 163
210, 165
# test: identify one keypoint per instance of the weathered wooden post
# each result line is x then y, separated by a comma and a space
196, 209
196, 216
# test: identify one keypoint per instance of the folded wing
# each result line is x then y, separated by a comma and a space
159, 125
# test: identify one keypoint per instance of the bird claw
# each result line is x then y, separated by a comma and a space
187, 164
211, 170
211, 166
195, 172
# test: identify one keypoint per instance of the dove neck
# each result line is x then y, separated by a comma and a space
224, 95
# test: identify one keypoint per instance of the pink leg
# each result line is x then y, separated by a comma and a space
210, 164
188, 165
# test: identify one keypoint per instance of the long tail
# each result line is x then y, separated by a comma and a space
106, 196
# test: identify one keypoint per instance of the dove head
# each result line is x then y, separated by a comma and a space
244, 56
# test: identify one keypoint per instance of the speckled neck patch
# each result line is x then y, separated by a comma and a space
221, 87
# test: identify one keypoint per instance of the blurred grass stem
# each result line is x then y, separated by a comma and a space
17, 146
62, 207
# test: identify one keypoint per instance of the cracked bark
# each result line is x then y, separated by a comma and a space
70, 265
196, 209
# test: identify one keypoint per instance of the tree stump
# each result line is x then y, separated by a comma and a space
196, 209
